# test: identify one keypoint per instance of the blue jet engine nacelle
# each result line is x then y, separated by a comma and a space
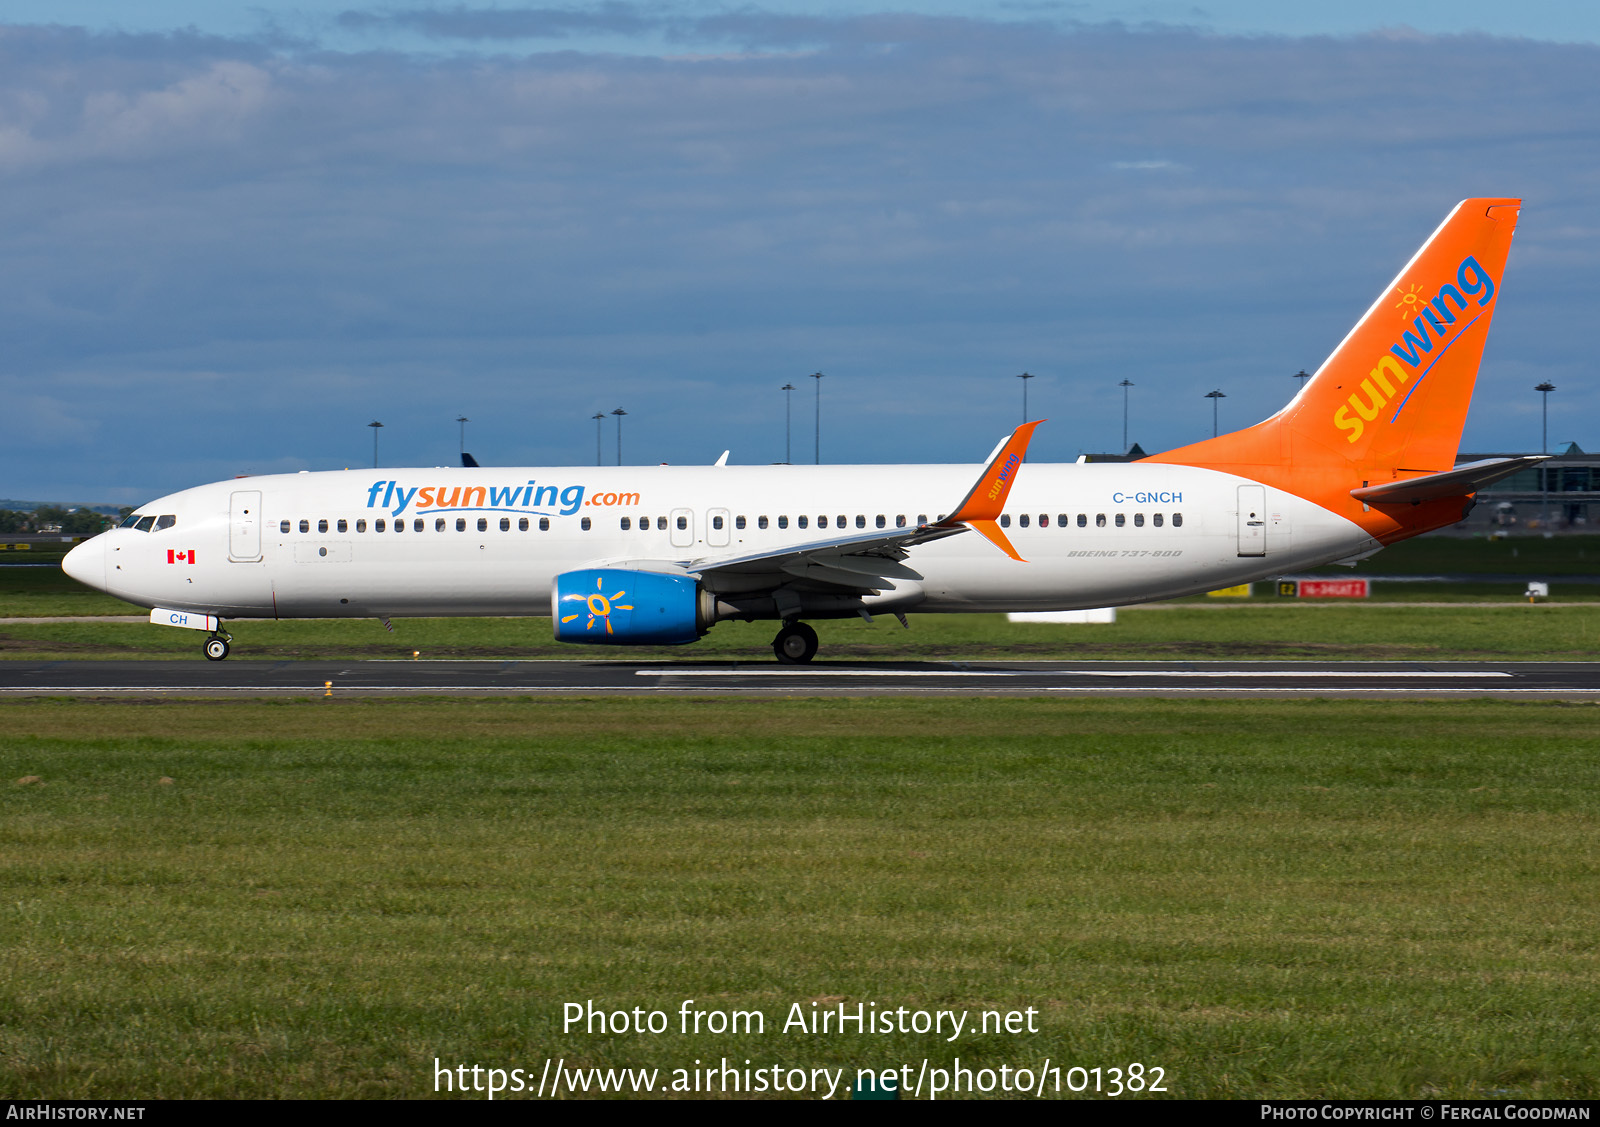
612, 606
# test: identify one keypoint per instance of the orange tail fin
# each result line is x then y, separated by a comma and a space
1392, 399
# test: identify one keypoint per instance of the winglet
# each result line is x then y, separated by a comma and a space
982, 505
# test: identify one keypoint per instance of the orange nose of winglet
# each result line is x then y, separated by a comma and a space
981, 507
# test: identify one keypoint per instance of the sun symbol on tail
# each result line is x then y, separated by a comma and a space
1411, 301
600, 606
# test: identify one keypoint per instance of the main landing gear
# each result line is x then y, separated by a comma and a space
216, 647
795, 644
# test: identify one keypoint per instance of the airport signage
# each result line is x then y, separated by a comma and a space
1334, 588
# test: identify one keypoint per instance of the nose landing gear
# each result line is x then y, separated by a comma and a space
795, 644
216, 647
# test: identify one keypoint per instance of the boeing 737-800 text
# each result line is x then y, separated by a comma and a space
1363, 456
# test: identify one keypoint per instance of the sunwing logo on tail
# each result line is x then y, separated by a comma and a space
1415, 353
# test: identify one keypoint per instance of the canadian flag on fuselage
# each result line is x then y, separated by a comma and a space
180, 557
1391, 401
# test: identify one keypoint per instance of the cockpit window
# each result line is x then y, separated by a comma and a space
145, 523
166, 520
131, 520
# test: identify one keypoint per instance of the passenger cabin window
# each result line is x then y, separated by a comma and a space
1083, 520
544, 524
399, 525
1061, 520
900, 521
361, 525
801, 522
922, 518
461, 524
344, 525
1156, 520
418, 525
439, 525
738, 522
761, 522
822, 522
522, 524
661, 524
1177, 520
505, 524
783, 522
1023, 520
379, 525
166, 521
305, 526
1121, 520
1005, 520
283, 525
842, 521
1138, 520
1044, 520
716, 522
586, 523
882, 521
683, 523
322, 526
1099, 520
483, 524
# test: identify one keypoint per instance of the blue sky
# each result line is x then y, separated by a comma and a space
236, 234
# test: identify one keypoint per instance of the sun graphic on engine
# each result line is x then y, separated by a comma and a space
1411, 301
600, 606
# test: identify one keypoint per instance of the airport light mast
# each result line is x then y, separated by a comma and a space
788, 419
818, 377
1125, 385
1214, 396
1544, 389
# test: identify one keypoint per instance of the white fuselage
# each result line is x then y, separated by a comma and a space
310, 544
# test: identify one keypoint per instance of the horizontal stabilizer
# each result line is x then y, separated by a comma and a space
1451, 483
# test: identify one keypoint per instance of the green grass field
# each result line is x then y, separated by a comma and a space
319, 898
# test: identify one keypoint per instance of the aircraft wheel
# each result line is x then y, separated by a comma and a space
216, 648
795, 644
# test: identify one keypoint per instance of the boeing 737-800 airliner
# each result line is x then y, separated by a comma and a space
1362, 457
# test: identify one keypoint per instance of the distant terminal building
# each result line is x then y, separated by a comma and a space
1554, 497
1135, 452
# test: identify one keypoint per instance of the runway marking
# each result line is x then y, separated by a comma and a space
1387, 674
830, 673
1087, 690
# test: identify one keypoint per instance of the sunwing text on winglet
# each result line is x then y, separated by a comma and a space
980, 509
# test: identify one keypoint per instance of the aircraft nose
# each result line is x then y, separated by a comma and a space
87, 563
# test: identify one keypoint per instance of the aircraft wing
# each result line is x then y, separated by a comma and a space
861, 563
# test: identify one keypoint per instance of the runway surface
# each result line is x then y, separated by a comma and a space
236, 679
